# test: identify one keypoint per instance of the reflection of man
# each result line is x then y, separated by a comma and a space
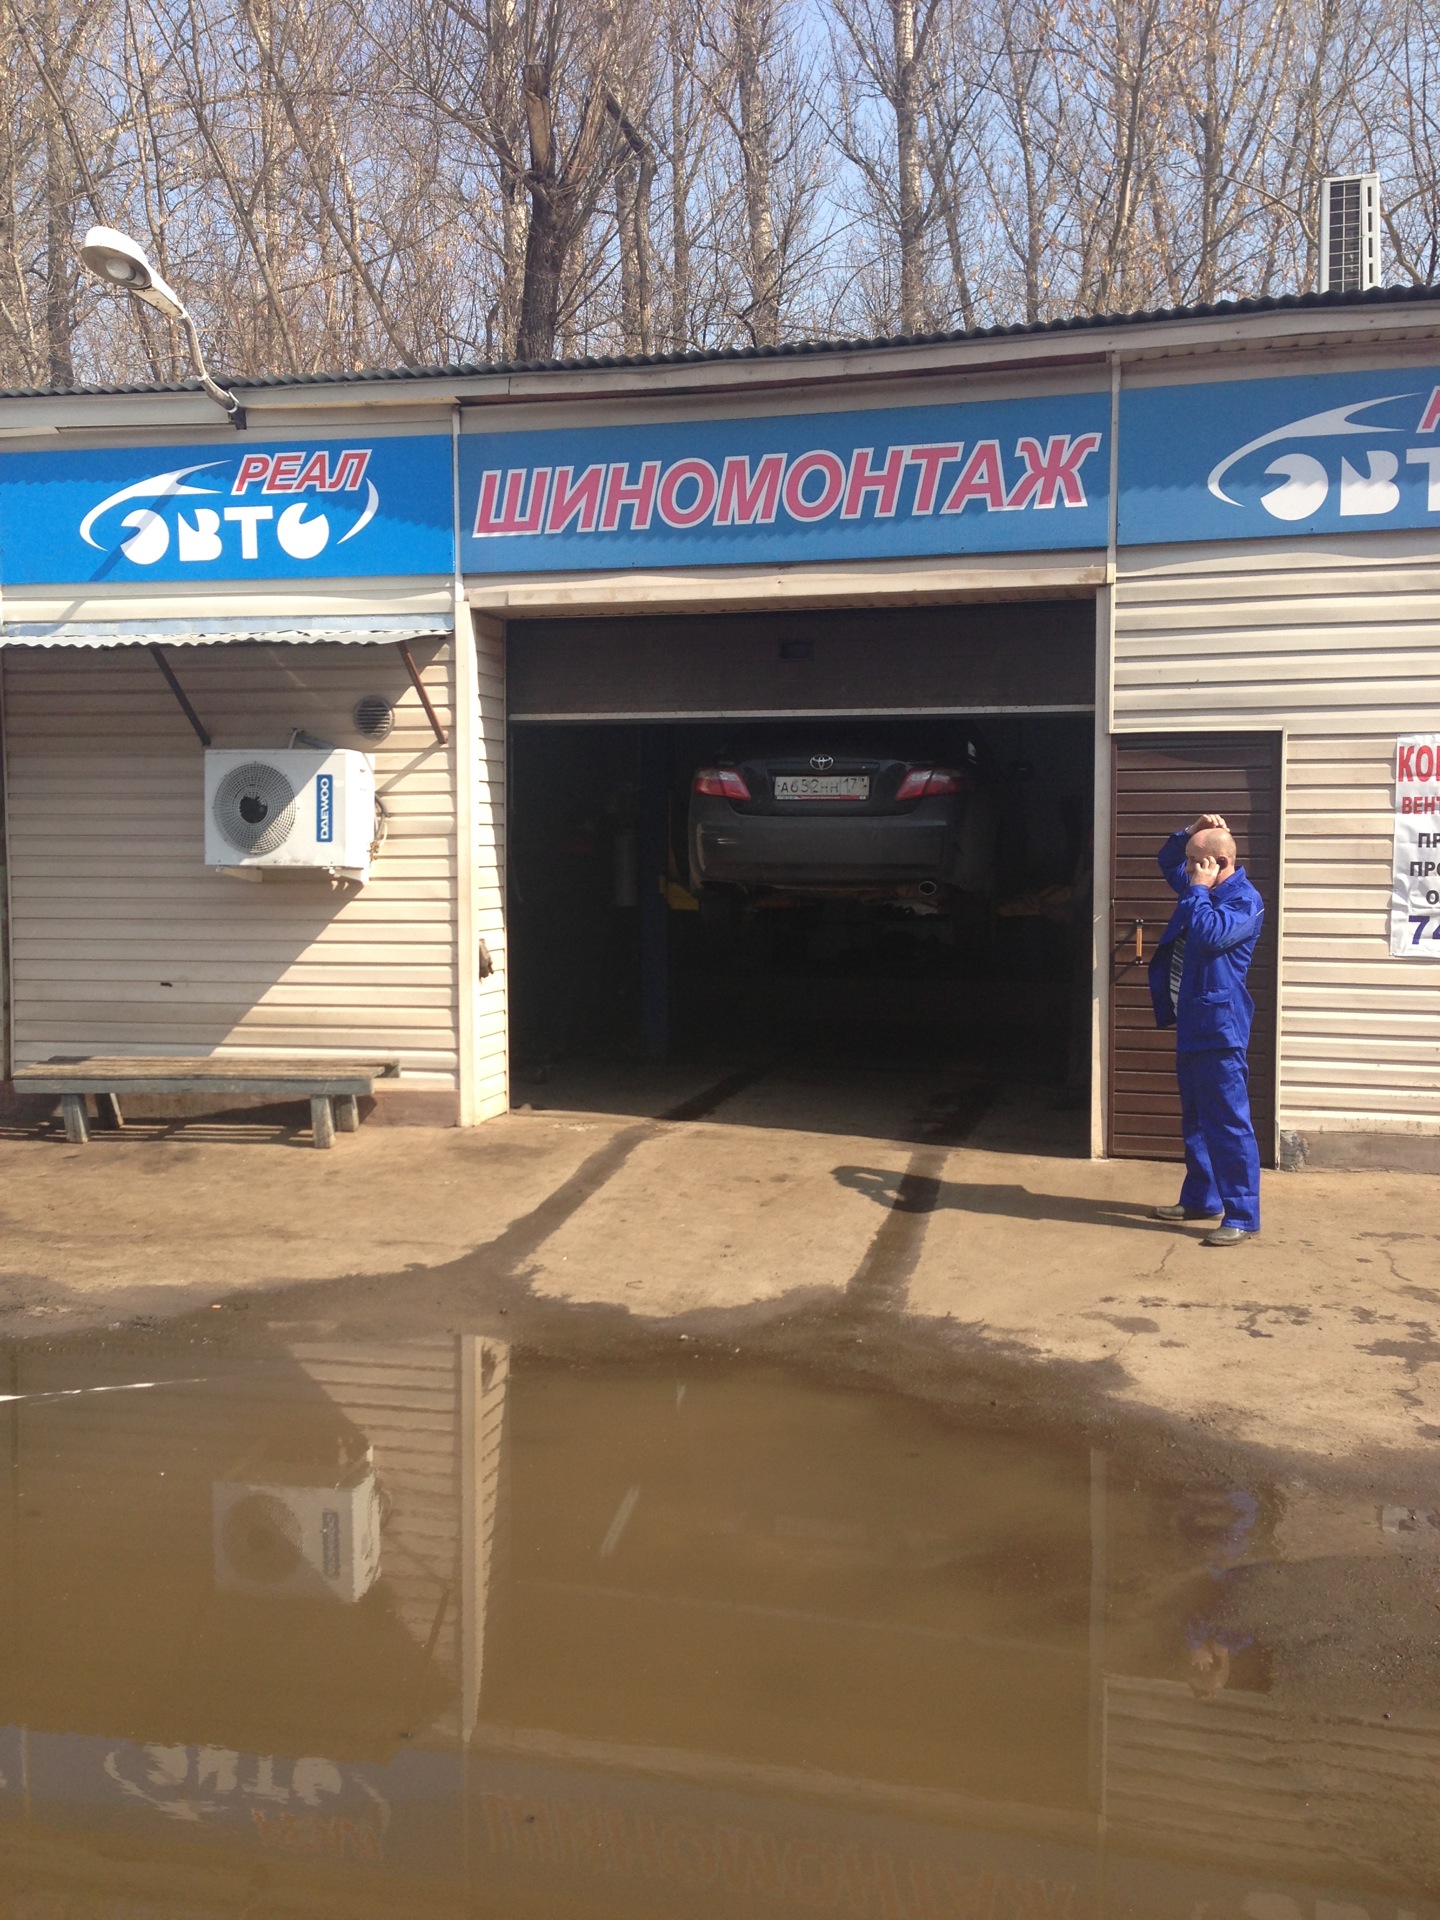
1197, 984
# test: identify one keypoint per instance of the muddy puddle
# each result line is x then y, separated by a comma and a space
303, 1627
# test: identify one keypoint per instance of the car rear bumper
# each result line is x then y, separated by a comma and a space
761, 850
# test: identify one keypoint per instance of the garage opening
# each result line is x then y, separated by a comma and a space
837, 864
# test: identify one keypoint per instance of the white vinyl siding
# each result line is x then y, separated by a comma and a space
1241, 1785
1336, 644
492, 1079
405, 1401
124, 942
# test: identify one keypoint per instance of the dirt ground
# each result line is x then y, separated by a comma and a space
872, 1241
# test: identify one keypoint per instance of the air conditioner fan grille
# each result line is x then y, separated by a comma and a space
254, 807
262, 1539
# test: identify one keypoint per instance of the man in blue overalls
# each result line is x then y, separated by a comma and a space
1197, 982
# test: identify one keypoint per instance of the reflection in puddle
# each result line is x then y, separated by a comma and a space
422, 1628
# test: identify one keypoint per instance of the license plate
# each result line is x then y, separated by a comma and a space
822, 786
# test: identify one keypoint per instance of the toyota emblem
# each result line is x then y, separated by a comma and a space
821, 762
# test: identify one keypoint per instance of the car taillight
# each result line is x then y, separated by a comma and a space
723, 782
921, 783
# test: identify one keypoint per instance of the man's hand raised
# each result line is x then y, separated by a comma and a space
1204, 871
1205, 822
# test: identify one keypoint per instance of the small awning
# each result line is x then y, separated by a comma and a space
339, 630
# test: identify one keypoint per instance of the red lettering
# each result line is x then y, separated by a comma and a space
253, 467
749, 1862
1405, 764
1424, 763
884, 483
513, 1824
512, 516
640, 498
283, 469
577, 500
315, 473
748, 499
812, 1873
1430, 419
632, 1844
981, 478
349, 470
307, 1833
707, 485
1031, 1899
577, 1836
826, 501
1054, 472
943, 1892
870, 1885
689, 1853
929, 460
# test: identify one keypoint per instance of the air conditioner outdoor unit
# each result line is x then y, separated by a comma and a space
310, 1542
290, 807
1349, 232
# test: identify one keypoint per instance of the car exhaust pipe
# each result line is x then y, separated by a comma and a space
927, 888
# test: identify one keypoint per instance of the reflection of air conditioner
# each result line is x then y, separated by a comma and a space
295, 807
306, 1541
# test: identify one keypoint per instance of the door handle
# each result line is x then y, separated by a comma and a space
1139, 940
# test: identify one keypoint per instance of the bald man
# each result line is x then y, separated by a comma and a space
1197, 984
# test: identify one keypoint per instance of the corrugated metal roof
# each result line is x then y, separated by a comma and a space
790, 350
343, 630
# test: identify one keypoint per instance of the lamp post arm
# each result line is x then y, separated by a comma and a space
211, 386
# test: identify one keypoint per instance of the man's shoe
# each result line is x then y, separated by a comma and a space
1186, 1213
1225, 1237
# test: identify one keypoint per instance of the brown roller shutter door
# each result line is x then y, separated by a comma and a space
1021, 656
1161, 782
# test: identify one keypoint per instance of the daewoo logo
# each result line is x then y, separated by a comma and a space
1306, 482
202, 535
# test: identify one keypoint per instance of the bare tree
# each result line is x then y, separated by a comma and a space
343, 182
1022, 149
762, 86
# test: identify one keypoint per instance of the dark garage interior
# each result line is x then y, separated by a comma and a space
974, 998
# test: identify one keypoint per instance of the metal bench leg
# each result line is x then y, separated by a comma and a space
347, 1112
322, 1120
107, 1112
77, 1126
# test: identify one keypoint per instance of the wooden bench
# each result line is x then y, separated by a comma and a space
333, 1087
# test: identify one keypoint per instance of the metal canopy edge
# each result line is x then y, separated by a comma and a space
348, 630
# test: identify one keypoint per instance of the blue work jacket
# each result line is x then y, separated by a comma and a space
1221, 925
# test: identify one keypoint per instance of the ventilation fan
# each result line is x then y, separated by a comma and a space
297, 807
373, 716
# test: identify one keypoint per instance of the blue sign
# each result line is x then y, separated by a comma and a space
1234, 460
1257, 459
227, 511
995, 476
325, 833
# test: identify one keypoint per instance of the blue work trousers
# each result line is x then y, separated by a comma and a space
1222, 1162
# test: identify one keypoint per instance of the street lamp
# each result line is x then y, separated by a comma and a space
117, 260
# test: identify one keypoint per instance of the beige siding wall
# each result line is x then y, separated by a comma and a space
1336, 643
124, 942
405, 1400
492, 1069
